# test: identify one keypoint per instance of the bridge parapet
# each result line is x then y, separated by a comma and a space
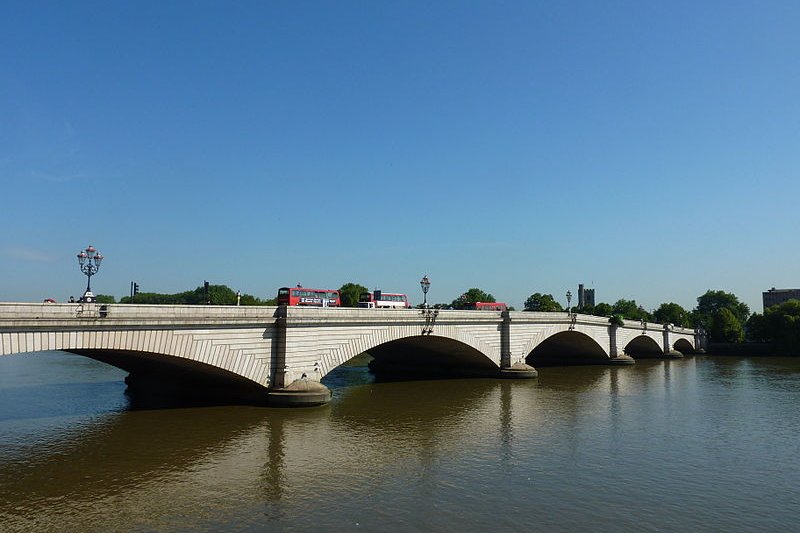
45, 314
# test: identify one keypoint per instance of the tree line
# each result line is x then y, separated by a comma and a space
216, 295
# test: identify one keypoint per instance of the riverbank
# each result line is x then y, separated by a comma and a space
748, 349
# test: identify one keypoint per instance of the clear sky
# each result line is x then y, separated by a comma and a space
647, 149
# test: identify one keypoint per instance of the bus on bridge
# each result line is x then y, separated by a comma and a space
486, 306
300, 296
383, 300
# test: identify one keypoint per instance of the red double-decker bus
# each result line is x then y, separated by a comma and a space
309, 297
486, 306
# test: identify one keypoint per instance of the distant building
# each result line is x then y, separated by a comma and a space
585, 297
778, 296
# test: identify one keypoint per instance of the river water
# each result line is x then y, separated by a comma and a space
698, 444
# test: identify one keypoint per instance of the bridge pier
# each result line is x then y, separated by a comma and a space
669, 352
519, 370
301, 392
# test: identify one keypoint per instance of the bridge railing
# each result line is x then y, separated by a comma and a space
11, 313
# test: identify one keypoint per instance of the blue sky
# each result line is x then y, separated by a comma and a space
646, 149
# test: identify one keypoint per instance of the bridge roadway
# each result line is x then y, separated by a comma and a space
285, 352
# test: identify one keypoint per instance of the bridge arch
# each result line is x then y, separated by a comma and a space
450, 348
161, 372
567, 347
144, 350
683, 346
643, 346
430, 355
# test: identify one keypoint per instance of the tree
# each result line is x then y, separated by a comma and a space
756, 329
471, 296
726, 327
105, 299
249, 299
217, 295
709, 304
350, 292
603, 309
709, 315
630, 309
542, 302
671, 313
783, 325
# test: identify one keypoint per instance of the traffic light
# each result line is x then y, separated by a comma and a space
135, 288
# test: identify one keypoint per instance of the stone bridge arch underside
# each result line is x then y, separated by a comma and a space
567, 347
231, 362
149, 371
403, 348
430, 355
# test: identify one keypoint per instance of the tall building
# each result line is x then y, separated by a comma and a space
585, 297
778, 296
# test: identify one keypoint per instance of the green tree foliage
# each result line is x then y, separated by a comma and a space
217, 295
350, 292
726, 327
709, 304
783, 325
756, 329
105, 299
616, 320
709, 315
671, 313
249, 299
630, 309
471, 296
542, 302
603, 309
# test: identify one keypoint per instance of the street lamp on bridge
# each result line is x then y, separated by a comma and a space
89, 263
425, 283
569, 299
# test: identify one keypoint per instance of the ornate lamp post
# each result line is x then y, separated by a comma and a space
89, 262
569, 299
425, 283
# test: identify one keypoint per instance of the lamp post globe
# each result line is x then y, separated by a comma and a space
89, 262
425, 283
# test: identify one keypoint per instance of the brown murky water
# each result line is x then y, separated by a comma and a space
699, 444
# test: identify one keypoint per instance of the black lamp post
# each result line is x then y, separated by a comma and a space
89, 262
569, 299
425, 283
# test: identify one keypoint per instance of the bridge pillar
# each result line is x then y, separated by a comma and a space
301, 392
519, 370
612, 341
700, 340
614, 355
669, 353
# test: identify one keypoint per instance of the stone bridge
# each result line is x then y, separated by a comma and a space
259, 349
